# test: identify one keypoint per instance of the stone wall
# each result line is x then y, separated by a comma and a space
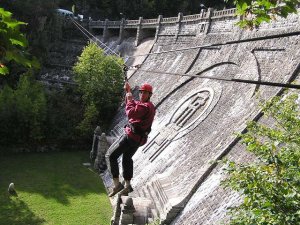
180, 25
197, 118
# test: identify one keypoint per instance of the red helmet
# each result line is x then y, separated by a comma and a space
146, 87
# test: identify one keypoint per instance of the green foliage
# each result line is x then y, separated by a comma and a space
254, 12
100, 79
30, 103
13, 43
42, 27
89, 120
32, 118
271, 185
155, 222
22, 112
61, 127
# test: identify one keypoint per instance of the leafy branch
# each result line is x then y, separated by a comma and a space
13, 43
270, 185
255, 12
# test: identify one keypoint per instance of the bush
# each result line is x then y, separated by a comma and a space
13, 44
100, 80
64, 113
22, 113
254, 13
271, 185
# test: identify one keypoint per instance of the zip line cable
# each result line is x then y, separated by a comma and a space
84, 33
125, 68
82, 29
266, 83
87, 33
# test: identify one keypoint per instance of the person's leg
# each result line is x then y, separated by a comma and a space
127, 164
112, 155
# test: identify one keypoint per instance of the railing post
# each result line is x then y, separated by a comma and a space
159, 19
139, 32
105, 31
178, 25
122, 30
209, 15
202, 13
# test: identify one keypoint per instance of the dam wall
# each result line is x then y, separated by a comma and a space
199, 110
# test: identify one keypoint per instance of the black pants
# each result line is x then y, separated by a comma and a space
126, 146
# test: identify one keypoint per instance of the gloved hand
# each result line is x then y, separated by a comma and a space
127, 87
129, 96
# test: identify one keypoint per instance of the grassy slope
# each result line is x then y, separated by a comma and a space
53, 188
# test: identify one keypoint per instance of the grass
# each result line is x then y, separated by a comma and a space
53, 188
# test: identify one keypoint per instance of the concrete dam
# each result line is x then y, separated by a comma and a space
176, 174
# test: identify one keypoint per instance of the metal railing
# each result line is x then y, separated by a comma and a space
192, 18
149, 21
145, 22
132, 22
223, 13
170, 20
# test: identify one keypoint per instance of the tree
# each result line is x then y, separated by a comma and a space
22, 113
254, 12
61, 127
13, 43
100, 80
270, 185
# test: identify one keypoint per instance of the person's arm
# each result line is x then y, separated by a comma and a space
133, 110
136, 110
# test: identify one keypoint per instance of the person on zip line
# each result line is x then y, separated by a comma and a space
140, 118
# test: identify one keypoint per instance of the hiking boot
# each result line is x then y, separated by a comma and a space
116, 189
126, 190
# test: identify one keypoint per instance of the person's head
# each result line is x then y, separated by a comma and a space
145, 92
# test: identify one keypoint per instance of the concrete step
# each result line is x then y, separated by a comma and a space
135, 210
